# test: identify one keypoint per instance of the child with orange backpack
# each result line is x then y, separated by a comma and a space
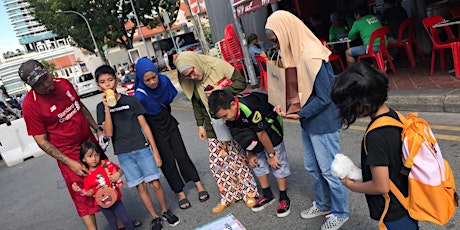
392, 150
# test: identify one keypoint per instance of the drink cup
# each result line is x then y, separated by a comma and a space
110, 96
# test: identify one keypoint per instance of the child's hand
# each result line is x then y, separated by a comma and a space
158, 159
252, 159
114, 177
104, 99
75, 187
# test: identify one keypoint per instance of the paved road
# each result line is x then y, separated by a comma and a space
30, 198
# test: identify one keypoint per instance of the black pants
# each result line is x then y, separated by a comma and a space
172, 150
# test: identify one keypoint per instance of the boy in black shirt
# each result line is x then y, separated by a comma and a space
259, 130
134, 145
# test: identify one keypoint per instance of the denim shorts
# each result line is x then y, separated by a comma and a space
139, 166
263, 167
362, 50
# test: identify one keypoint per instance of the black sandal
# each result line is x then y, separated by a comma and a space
203, 196
184, 201
136, 224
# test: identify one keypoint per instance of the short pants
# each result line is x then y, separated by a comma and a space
362, 50
263, 167
139, 166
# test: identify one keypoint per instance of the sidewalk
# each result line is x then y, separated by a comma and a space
411, 89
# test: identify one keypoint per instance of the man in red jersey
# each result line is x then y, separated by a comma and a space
59, 123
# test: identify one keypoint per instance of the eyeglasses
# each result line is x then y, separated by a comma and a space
189, 75
274, 40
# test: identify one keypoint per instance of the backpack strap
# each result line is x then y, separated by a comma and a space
381, 122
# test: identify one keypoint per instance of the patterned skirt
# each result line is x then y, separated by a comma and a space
230, 168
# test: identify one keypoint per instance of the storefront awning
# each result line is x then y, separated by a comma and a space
247, 6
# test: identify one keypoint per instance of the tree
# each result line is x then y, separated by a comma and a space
107, 19
51, 67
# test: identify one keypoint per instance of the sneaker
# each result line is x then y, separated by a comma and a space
313, 212
333, 222
172, 219
156, 224
283, 208
263, 203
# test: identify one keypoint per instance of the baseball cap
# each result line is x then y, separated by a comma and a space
31, 71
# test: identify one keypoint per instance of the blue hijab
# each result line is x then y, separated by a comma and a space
152, 99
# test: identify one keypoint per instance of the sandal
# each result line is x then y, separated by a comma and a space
203, 196
184, 202
250, 202
136, 224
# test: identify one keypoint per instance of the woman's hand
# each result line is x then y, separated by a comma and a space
293, 116
215, 87
202, 133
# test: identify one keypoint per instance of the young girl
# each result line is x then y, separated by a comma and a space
103, 173
361, 91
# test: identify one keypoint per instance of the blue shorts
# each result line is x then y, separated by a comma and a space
139, 166
264, 168
362, 50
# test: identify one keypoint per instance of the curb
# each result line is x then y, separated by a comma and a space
425, 100
416, 100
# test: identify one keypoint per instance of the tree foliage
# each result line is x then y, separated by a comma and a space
106, 18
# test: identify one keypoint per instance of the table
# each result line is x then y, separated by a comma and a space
346, 40
446, 23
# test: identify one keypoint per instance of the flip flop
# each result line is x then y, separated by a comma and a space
136, 224
203, 194
184, 201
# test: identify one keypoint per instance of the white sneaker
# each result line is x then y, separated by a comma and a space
333, 222
313, 212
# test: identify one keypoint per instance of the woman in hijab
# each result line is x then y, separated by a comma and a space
227, 160
155, 92
319, 117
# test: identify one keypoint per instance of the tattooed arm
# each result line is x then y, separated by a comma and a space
48, 148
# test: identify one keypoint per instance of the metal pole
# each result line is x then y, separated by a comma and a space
244, 47
140, 29
198, 28
96, 50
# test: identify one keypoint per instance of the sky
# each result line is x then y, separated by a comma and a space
8, 40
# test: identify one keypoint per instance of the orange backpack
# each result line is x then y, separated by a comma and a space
431, 194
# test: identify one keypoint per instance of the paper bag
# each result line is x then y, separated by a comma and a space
283, 87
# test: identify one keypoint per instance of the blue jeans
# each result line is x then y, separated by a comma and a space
406, 223
318, 152
139, 166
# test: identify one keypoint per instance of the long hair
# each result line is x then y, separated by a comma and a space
88, 145
359, 91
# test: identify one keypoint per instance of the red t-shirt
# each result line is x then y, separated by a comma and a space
59, 116
98, 178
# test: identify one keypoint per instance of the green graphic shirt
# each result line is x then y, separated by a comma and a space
364, 27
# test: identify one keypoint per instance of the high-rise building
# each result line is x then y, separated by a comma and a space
32, 35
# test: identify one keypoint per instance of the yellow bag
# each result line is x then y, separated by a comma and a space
431, 194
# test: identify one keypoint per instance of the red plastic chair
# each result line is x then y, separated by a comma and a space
428, 23
378, 56
433, 20
409, 25
234, 53
261, 61
333, 57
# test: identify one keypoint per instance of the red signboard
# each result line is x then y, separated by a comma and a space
247, 6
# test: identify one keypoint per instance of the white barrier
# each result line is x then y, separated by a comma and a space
15, 144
